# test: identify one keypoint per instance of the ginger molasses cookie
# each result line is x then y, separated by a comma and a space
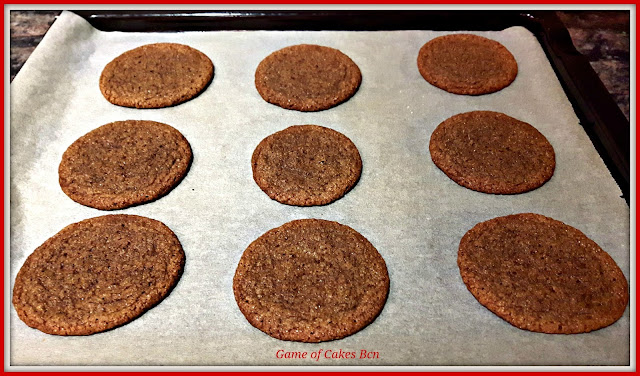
492, 152
311, 280
306, 165
467, 64
542, 275
124, 163
307, 77
156, 75
97, 274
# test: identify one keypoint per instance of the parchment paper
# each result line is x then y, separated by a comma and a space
411, 212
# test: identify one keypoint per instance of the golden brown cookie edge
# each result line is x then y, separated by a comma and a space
127, 317
155, 103
530, 323
481, 185
115, 202
271, 96
452, 87
318, 336
304, 201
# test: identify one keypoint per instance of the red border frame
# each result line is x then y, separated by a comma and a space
290, 2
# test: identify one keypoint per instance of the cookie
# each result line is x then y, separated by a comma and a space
493, 153
311, 280
307, 77
542, 275
124, 163
306, 165
97, 274
156, 75
467, 64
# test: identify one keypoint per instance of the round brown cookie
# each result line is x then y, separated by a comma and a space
97, 274
467, 64
156, 75
542, 275
306, 165
124, 163
493, 153
311, 280
307, 77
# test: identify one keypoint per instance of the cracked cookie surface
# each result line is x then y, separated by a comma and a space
307, 77
467, 64
124, 163
310, 281
97, 274
542, 275
306, 165
156, 75
493, 153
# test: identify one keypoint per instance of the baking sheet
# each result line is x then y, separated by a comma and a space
409, 210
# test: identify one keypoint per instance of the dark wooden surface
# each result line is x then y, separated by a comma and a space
26, 29
603, 37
